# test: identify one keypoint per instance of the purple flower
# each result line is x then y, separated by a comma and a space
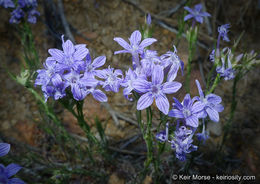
223, 30
24, 6
226, 71
135, 47
16, 15
163, 135
196, 13
155, 90
212, 56
173, 61
96, 93
211, 103
148, 19
113, 79
71, 57
127, 83
187, 110
45, 75
79, 83
149, 61
9, 171
204, 135
4, 149
7, 3
32, 16
90, 68
27, 3
182, 143
68, 69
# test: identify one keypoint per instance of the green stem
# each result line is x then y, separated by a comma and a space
232, 112
210, 75
215, 83
192, 39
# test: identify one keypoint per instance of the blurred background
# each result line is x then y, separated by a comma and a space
96, 23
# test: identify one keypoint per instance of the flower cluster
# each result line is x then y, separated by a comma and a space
7, 172
149, 71
181, 142
189, 112
22, 7
72, 68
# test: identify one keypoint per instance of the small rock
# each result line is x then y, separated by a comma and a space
114, 179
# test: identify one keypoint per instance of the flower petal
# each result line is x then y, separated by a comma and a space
175, 113
145, 101
123, 43
78, 94
56, 54
171, 87
99, 61
219, 108
213, 114
197, 107
187, 17
146, 42
12, 169
192, 121
68, 48
142, 85
187, 100
135, 38
80, 53
99, 95
215, 99
199, 89
157, 75
15, 181
4, 149
177, 103
188, 9
173, 72
162, 103
121, 51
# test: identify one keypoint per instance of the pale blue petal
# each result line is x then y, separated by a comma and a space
141, 85
187, 17
192, 121
80, 54
123, 43
4, 149
175, 113
135, 38
12, 169
157, 75
162, 103
199, 89
197, 107
56, 54
213, 114
68, 48
99, 61
146, 42
171, 87
99, 95
145, 101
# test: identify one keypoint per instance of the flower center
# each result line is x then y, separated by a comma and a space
155, 89
74, 79
186, 113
